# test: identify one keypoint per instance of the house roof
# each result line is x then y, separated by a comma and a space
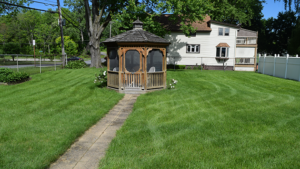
203, 26
223, 45
137, 35
171, 26
246, 33
223, 23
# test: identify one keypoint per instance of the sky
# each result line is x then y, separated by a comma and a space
271, 8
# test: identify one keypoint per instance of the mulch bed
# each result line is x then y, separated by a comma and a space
18, 82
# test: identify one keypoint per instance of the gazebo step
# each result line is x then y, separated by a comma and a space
133, 91
132, 88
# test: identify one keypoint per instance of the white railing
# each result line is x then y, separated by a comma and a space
246, 41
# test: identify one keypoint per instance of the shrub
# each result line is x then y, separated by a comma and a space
78, 64
8, 76
176, 66
101, 78
171, 84
189, 67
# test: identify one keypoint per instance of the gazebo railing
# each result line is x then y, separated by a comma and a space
113, 79
155, 80
132, 80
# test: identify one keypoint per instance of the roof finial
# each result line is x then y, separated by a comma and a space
138, 24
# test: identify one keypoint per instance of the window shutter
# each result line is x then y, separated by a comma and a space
199, 48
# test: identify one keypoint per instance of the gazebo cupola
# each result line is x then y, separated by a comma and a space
136, 60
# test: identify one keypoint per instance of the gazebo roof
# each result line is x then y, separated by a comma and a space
137, 34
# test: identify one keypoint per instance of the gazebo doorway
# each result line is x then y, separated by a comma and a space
133, 69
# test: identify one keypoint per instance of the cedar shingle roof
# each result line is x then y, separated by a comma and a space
136, 35
223, 45
171, 26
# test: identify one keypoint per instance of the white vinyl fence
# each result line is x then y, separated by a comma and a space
283, 67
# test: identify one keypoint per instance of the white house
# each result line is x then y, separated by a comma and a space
215, 45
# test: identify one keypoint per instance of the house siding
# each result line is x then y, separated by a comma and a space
208, 42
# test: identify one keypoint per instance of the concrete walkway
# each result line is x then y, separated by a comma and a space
91, 147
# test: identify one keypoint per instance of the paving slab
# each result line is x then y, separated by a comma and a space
90, 148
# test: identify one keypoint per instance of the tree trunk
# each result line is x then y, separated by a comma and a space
81, 34
95, 52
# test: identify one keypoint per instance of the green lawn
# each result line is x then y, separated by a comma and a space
41, 118
214, 119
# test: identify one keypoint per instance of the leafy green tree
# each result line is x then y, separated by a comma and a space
76, 15
8, 9
47, 30
294, 43
277, 32
288, 5
29, 22
11, 48
70, 45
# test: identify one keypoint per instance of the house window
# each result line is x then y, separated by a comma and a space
220, 31
222, 52
193, 48
224, 31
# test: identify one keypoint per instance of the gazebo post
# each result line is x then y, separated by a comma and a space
120, 52
108, 65
145, 68
165, 69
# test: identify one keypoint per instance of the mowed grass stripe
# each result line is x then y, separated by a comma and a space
214, 119
41, 118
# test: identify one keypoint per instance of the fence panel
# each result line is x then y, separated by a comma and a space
283, 67
269, 65
280, 67
293, 69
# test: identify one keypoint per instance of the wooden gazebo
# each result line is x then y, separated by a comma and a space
136, 60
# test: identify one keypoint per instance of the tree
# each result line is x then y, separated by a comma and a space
11, 48
288, 4
277, 33
47, 30
294, 43
29, 22
70, 45
9, 9
76, 15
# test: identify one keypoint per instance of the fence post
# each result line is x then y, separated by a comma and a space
40, 64
18, 63
54, 64
264, 63
286, 65
259, 55
274, 65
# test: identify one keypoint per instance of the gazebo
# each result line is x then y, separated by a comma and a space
136, 61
